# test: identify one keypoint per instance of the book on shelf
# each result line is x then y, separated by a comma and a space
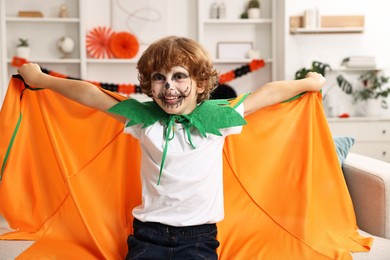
30, 14
359, 62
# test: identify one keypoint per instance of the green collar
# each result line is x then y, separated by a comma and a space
208, 117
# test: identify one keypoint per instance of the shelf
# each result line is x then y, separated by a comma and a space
112, 61
238, 21
327, 30
260, 33
53, 61
39, 22
356, 69
358, 119
236, 61
42, 20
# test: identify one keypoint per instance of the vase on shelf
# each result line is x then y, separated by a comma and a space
23, 52
23, 49
254, 9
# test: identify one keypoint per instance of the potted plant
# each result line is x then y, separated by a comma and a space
23, 49
252, 11
373, 87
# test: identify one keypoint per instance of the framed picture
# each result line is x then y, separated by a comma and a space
233, 50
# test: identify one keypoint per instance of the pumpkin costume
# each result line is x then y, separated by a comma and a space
70, 181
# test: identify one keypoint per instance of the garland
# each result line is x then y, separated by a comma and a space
241, 71
122, 88
129, 89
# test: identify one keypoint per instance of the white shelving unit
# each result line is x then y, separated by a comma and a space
260, 32
42, 34
372, 135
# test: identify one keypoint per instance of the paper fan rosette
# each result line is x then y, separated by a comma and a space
97, 42
124, 45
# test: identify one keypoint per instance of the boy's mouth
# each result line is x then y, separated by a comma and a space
172, 100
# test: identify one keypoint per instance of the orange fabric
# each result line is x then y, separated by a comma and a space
285, 194
71, 181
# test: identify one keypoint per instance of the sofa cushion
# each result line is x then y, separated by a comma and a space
343, 145
380, 249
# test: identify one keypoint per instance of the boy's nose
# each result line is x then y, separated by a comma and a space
167, 85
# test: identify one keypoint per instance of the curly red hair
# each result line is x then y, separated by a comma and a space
178, 51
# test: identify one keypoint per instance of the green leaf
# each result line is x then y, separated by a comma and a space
344, 84
146, 113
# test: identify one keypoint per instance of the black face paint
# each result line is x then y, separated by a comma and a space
167, 86
180, 96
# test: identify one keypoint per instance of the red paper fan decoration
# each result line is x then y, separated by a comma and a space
124, 45
98, 42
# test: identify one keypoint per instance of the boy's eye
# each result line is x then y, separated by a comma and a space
179, 77
158, 78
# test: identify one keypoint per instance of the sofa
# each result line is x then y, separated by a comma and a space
368, 181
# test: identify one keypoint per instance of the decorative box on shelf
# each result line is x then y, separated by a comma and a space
329, 24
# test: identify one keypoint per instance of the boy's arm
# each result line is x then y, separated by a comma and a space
278, 91
79, 91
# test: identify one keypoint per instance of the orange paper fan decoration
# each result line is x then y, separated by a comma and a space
98, 42
124, 45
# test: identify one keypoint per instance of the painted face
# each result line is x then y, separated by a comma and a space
175, 91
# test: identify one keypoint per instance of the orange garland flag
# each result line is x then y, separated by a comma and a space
71, 179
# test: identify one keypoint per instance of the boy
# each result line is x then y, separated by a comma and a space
182, 136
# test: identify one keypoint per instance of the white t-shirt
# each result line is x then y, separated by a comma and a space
191, 186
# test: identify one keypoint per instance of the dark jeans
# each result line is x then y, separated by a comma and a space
158, 241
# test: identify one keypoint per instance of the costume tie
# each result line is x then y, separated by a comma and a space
169, 134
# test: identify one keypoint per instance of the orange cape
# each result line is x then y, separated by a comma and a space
71, 179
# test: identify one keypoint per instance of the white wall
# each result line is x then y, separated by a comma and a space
294, 51
181, 19
301, 49
182, 16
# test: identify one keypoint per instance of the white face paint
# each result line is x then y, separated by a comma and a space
175, 91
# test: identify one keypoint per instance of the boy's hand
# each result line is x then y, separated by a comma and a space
317, 79
31, 73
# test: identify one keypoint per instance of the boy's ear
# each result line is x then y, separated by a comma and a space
200, 88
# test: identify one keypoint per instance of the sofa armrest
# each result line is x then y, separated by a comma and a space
368, 182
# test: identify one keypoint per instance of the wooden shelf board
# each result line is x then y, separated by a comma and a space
111, 61
237, 21
236, 61
42, 20
53, 61
327, 30
341, 68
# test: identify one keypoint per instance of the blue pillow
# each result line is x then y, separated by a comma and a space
343, 145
